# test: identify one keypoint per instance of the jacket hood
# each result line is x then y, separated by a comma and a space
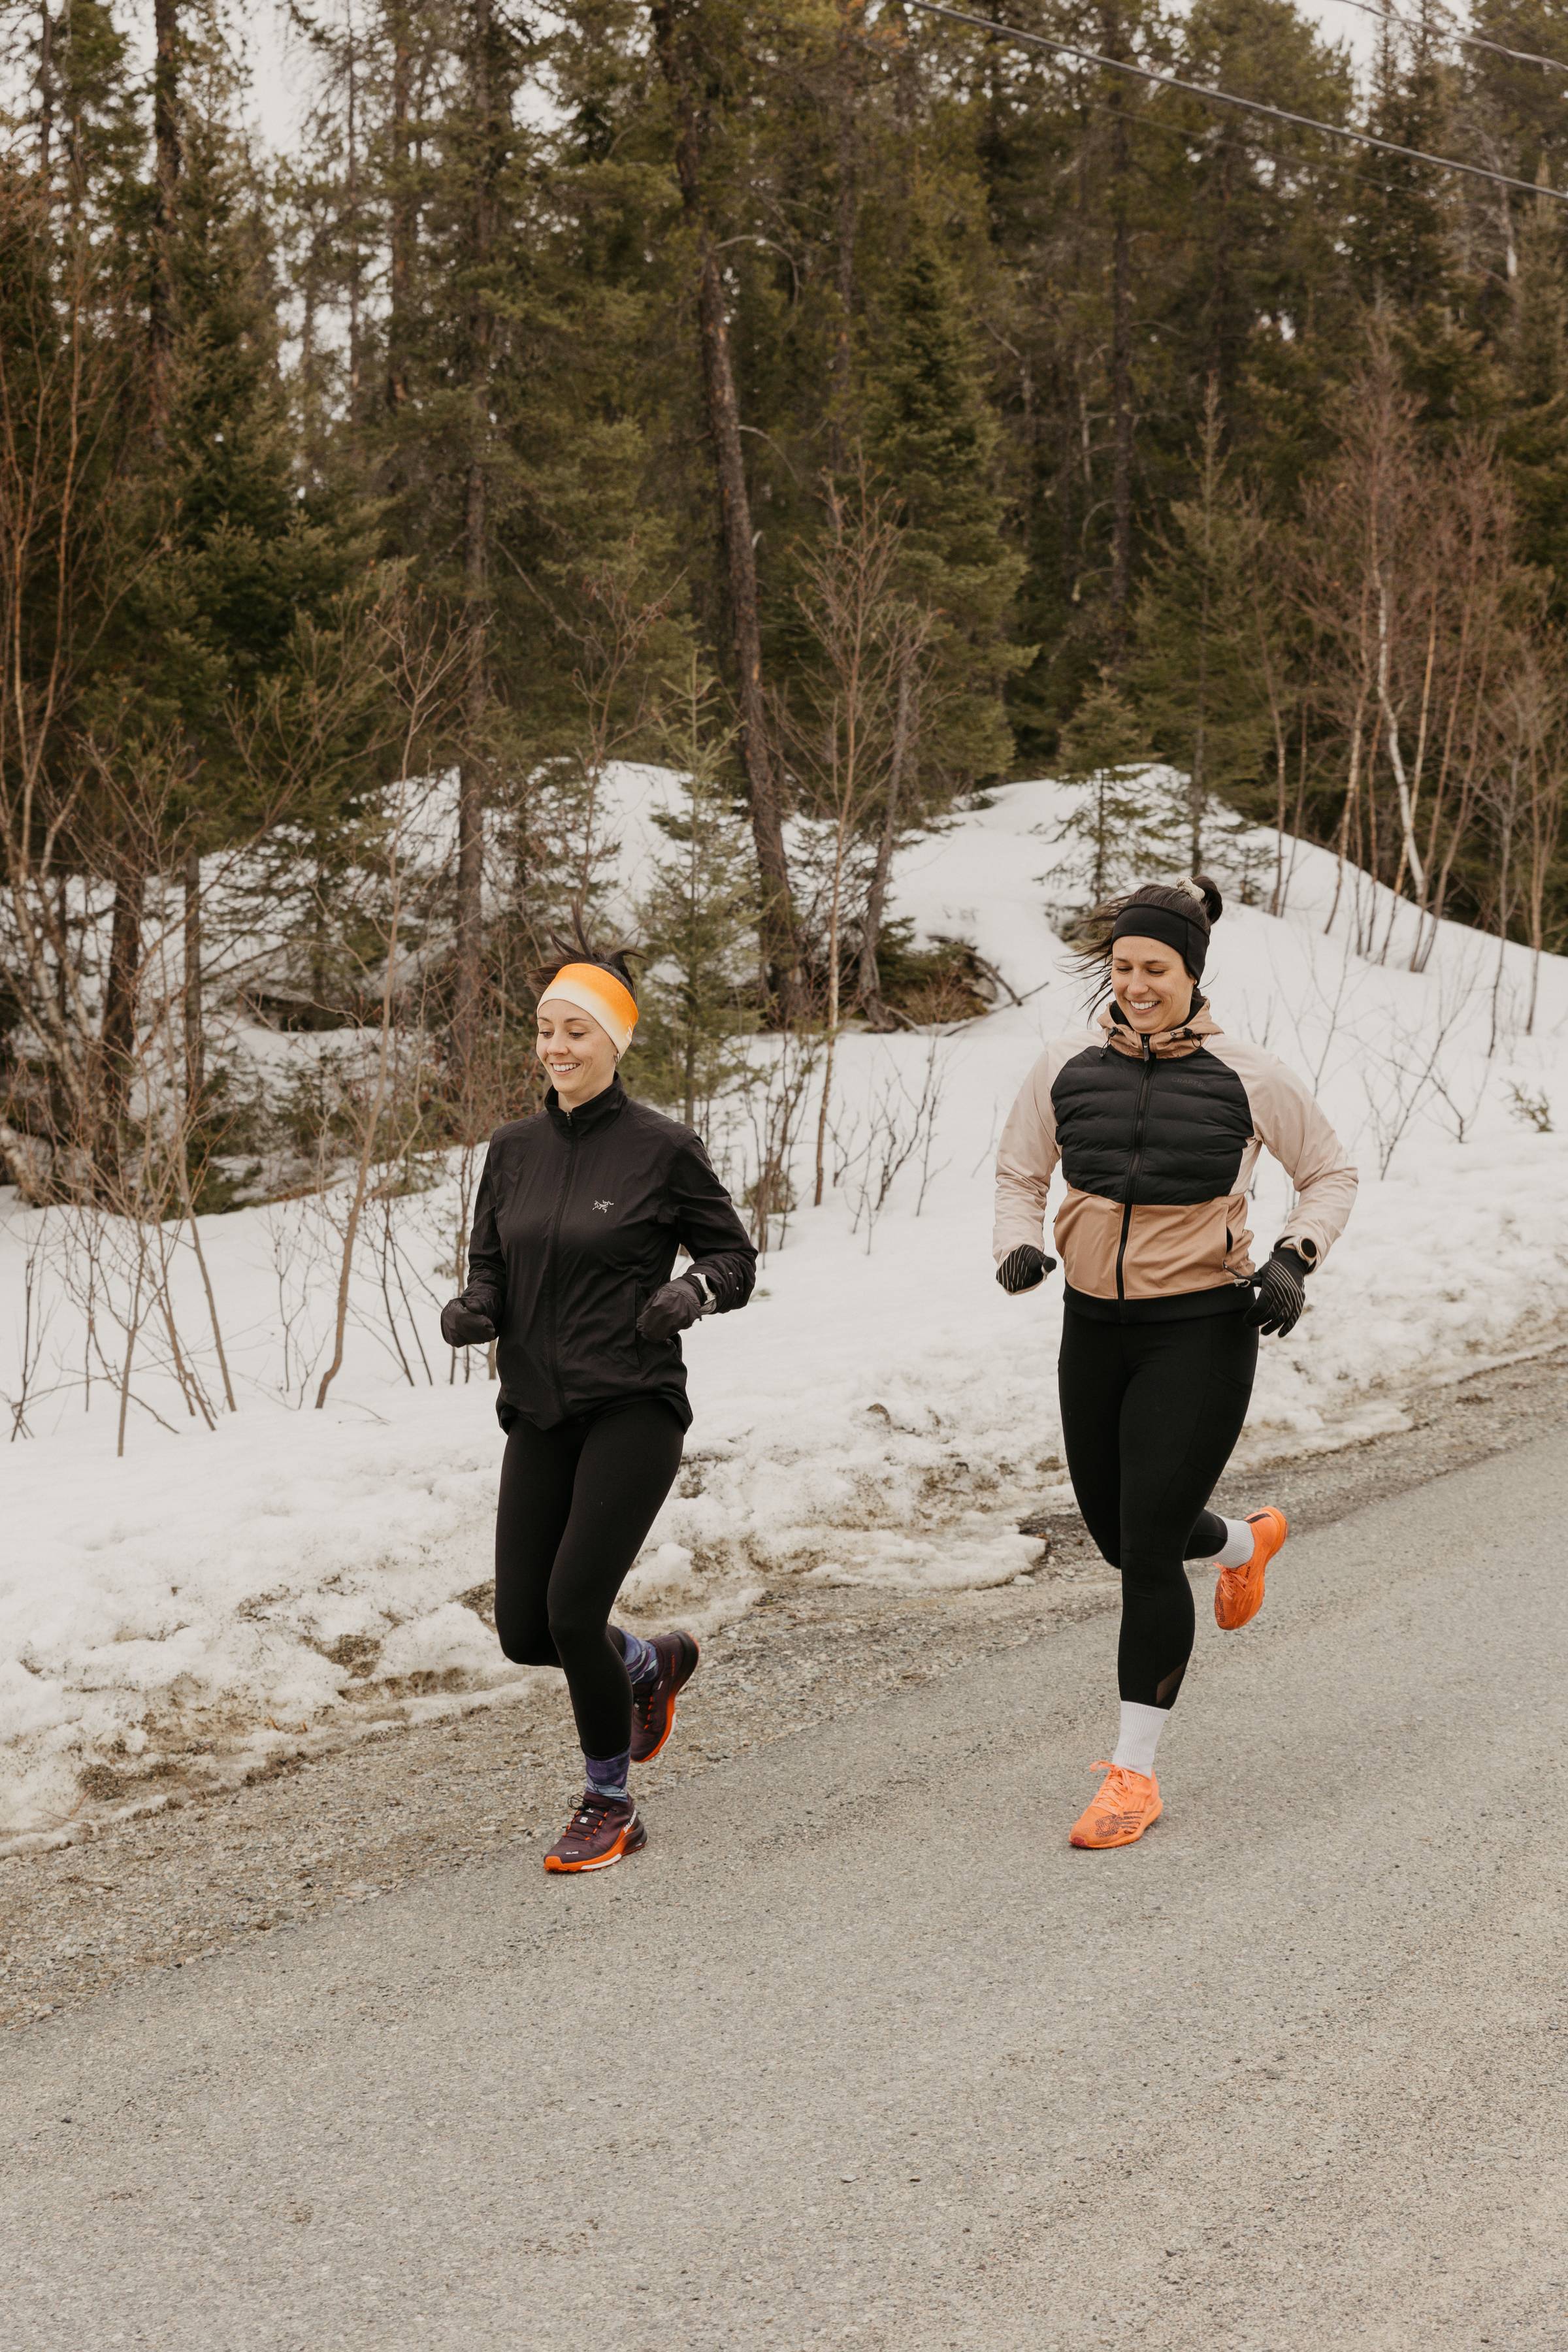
1198, 1027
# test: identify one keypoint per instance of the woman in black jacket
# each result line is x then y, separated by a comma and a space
579, 1215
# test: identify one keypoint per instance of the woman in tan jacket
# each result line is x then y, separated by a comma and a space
1156, 1120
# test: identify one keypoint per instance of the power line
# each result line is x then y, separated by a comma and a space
1016, 34
1467, 40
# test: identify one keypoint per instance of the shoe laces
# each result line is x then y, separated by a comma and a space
595, 1804
1119, 1790
645, 1693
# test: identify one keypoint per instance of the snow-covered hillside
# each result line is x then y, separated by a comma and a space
877, 1414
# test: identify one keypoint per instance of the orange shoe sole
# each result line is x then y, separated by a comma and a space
1089, 1843
663, 1740
1239, 1591
631, 1840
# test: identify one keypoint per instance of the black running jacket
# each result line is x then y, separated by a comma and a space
576, 1223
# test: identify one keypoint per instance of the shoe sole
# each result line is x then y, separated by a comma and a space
624, 1845
1108, 1846
1235, 1625
676, 1689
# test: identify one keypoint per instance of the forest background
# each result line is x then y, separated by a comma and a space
836, 405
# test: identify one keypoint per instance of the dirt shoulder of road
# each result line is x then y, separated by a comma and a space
183, 1886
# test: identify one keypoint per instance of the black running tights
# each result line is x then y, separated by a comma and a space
1150, 1414
577, 1503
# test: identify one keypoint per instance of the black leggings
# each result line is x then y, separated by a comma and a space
576, 1502
1150, 1414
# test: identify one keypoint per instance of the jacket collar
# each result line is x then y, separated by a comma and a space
593, 1115
1199, 1025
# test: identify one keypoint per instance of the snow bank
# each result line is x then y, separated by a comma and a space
877, 1416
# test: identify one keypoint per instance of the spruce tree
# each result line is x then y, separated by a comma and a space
1533, 434
697, 920
1194, 675
932, 435
1118, 832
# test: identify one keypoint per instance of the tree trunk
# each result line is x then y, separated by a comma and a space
1221, 293
400, 276
779, 945
47, 91
1120, 342
1351, 788
470, 793
826, 1106
195, 1032
846, 92
780, 952
1197, 782
122, 987
475, 571
1505, 894
868, 987
166, 187
352, 181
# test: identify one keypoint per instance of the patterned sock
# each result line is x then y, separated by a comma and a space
607, 1774
641, 1657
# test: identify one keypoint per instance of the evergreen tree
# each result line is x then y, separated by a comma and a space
579, 323
1117, 833
1195, 675
1533, 434
1253, 208
932, 435
697, 920
240, 569
1400, 209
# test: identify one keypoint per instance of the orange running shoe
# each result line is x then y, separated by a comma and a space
1127, 1804
1239, 1591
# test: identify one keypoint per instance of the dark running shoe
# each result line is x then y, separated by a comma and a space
603, 1830
653, 1706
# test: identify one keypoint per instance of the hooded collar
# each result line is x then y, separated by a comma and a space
1164, 1044
597, 1113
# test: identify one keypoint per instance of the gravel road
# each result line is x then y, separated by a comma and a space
187, 1884
858, 2051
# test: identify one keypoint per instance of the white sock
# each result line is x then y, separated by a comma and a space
1237, 1547
1140, 1729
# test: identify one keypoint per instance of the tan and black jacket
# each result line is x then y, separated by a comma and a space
1158, 1138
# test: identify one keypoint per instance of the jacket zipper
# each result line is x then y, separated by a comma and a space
550, 1267
1133, 1165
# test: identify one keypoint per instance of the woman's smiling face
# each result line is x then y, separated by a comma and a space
1150, 983
578, 1054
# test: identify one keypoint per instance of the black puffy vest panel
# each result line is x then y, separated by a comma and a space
1197, 1125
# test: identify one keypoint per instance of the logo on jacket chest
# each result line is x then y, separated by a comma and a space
603, 1208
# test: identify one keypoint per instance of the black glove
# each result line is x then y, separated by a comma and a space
1023, 1268
674, 1308
1281, 1292
463, 1326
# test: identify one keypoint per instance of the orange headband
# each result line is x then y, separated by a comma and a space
610, 1002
